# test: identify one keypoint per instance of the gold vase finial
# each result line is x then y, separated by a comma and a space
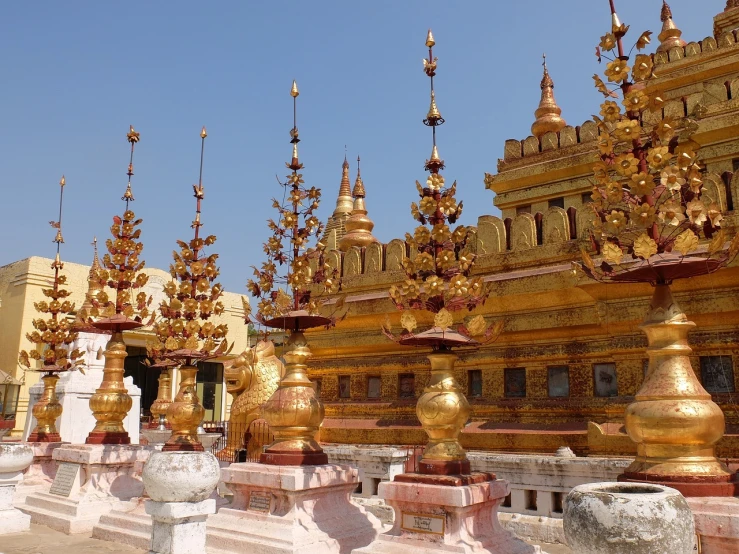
294, 92
430, 42
548, 113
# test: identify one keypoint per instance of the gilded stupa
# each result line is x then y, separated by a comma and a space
358, 226
548, 114
94, 288
336, 224
669, 37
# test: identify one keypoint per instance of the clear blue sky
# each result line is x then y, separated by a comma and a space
76, 74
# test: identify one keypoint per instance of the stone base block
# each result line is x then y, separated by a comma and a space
179, 527
534, 528
716, 523
290, 510
14, 521
130, 526
107, 478
442, 518
40, 474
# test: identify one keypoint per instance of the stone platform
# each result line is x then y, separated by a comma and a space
290, 509
40, 474
716, 523
91, 481
431, 518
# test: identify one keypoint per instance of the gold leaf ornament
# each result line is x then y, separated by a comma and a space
717, 242
644, 246
686, 242
612, 253
443, 319
408, 321
477, 326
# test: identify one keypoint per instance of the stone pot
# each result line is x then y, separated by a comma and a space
628, 518
181, 476
15, 457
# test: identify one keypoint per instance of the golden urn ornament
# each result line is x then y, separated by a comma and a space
653, 222
53, 337
122, 272
438, 280
184, 333
294, 412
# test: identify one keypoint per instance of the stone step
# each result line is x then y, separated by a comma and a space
52, 503
139, 522
62, 522
114, 533
220, 540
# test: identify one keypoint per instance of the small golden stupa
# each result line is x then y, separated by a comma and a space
548, 114
670, 35
358, 226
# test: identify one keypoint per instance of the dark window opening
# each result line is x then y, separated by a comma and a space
514, 382
474, 383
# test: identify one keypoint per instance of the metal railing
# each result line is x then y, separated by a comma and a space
247, 442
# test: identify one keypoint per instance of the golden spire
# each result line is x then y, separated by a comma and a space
344, 200
433, 118
670, 35
358, 226
548, 113
294, 164
94, 287
133, 137
198, 189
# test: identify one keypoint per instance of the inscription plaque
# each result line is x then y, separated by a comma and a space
259, 501
66, 473
422, 523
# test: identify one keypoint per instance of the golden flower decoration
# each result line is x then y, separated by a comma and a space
424, 262
642, 184
615, 222
458, 286
610, 111
600, 172
422, 235
605, 144
614, 192
434, 285
617, 70
411, 289
440, 233
415, 211
447, 205
612, 253
459, 234
672, 178
714, 214
395, 294
671, 213
626, 164
635, 101
443, 319
643, 215
686, 242
428, 205
644, 246
658, 157
408, 321
696, 212
446, 260
693, 178
435, 181
685, 158
466, 257
642, 67
608, 42
665, 129
656, 102
627, 130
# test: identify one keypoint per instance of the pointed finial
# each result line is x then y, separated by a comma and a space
203, 132
670, 35
294, 92
430, 42
95, 259
132, 136
358, 184
548, 113
62, 181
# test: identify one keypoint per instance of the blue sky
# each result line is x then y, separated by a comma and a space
76, 74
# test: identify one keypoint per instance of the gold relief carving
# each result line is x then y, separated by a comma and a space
491, 235
523, 232
352, 262
373, 258
395, 253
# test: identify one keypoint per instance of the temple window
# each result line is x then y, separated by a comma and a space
587, 197
374, 386
407, 385
558, 381
717, 374
474, 383
605, 382
515, 382
523, 209
344, 386
557, 202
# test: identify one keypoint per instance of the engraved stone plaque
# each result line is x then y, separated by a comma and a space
422, 523
259, 501
64, 480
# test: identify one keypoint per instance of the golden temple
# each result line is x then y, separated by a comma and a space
571, 356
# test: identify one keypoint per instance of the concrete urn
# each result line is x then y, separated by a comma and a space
14, 458
181, 476
628, 518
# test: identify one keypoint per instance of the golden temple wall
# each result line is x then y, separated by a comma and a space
552, 316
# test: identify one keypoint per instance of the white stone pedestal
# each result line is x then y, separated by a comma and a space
442, 518
14, 458
716, 524
40, 474
101, 477
179, 527
290, 510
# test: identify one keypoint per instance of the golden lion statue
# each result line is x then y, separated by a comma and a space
251, 378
